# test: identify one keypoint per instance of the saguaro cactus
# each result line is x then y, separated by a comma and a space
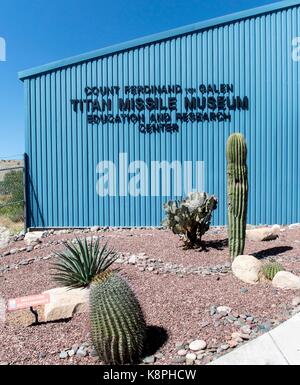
237, 193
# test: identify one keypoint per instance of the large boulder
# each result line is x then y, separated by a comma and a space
246, 268
34, 237
286, 280
262, 234
64, 303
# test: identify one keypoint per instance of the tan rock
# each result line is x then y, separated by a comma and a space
286, 280
296, 301
246, 268
33, 237
262, 234
65, 303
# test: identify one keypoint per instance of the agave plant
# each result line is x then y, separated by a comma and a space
118, 327
81, 262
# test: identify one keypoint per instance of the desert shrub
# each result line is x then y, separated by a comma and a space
14, 212
270, 269
12, 196
191, 217
118, 327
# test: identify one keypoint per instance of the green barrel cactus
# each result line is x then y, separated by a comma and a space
270, 269
118, 328
117, 322
237, 193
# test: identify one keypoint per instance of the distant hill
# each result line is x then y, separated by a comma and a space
8, 164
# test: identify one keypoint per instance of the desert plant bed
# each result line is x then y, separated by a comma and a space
188, 296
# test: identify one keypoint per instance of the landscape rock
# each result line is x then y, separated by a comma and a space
245, 336
276, 227
75, 347
263, 234
224, 347
296, 301
63, 355
4, 237
212, 310
246, 268
286, 280
81, 352
245, 329
65, 303
32, 238
132, 260
233, 343
149, 360
224, 309
71, 353
197, 345
179, 345
191, 357
294, 226
178, 360
182, 352
95, 229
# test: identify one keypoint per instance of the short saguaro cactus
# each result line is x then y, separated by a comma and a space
237, 193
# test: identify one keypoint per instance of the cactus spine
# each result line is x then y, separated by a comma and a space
117, 323
237, 193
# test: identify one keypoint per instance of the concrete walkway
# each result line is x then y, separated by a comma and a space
280, 346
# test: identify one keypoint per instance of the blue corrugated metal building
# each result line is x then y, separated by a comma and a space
172, 99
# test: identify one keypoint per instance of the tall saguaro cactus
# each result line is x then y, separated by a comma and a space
237, 193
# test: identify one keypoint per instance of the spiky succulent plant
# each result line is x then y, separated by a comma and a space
118, 327
270, 269
81, 262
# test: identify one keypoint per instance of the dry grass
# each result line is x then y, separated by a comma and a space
13, 227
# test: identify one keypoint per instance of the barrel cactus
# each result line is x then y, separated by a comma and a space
118, 328
237, 193
270, 269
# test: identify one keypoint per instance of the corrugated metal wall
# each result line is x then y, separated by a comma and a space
253, 54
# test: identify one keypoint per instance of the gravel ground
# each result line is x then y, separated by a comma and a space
178, 308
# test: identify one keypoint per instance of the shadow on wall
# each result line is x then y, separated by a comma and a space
29, 187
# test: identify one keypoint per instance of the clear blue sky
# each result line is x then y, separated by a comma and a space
40, 31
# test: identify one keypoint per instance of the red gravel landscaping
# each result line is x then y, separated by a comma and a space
178, 307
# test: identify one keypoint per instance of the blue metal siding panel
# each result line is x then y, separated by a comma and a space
253, 54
